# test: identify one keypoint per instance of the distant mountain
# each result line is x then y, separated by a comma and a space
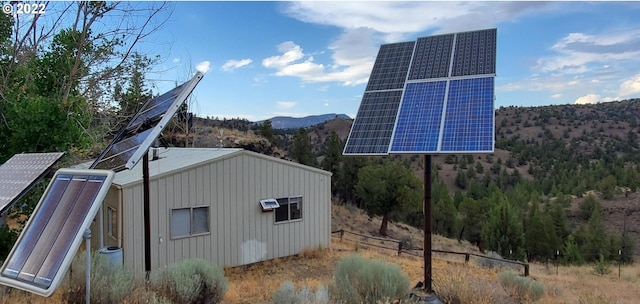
285, 122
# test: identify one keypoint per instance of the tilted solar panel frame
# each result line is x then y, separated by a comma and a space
47, 245
143, 128
19, 173
458, 60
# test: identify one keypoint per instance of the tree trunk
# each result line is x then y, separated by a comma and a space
383, 227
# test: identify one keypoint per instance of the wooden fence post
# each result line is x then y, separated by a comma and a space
399, 248
526, 270
466, 258
341, 234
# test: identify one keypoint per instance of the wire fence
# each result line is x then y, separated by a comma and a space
401, 247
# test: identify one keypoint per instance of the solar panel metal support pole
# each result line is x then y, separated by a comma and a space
427, 223
147, 224
87, 258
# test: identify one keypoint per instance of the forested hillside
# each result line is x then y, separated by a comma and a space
563, 179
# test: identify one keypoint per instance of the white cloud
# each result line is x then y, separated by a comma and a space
291, 52
203, 66
326, 104
295, 63
630, 86
588, 99
579, 52
365, 27
556, 96
594, 98
176, 60
234, 64
396, 19
286, 104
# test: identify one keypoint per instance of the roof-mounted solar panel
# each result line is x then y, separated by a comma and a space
445, 104
133, 140
20, 173
48, 243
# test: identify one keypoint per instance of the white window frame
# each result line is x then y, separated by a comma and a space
112, 222
191, 222
286, 205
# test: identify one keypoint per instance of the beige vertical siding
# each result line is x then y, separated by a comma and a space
239, 231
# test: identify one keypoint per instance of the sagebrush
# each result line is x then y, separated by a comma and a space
359, 280
109, 283
191, 281
287, 294
522, 288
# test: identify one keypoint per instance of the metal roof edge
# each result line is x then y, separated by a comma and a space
233, 154
287, 162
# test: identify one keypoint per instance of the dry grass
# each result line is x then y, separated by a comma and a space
455, 281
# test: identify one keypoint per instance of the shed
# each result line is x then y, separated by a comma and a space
206, 203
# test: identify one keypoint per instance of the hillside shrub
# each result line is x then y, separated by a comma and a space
601, 267
191, 281
287, 294
358, 280
458, 287
108, 284
522, 288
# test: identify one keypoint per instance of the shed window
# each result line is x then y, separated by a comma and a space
112, 222
187, 222
290, 209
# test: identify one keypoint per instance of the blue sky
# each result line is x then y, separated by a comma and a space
266, 59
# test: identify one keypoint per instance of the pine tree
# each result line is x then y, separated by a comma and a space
387, 189
503, 230
444, 219
596, 238
571, 252
540, 238
266, 130
302, 149
333, 158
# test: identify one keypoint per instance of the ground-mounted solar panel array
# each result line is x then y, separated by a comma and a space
430, 96
20, 173
128, 147
43, 252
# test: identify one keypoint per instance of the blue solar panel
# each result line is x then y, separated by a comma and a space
469, 120
447, 97
372, 129
419, 118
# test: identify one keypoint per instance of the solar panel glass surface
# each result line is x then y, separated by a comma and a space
469, 118
391, 66
419, 118
126, 149
432, 57
48, 243
372, 129
20, 173
475, 53
431, 119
